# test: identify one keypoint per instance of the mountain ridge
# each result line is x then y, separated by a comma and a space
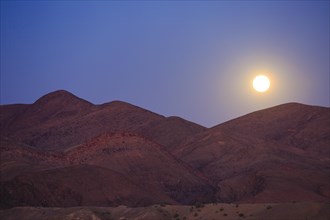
278, 154
50, 127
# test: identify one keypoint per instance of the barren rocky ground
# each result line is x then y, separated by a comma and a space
257, 211
63, 151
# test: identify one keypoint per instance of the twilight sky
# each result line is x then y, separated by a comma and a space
194, 59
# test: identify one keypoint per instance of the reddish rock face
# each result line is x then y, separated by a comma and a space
280, 154
60, 120
64, 151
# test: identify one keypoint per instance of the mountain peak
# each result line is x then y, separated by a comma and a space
58, 96
57, 103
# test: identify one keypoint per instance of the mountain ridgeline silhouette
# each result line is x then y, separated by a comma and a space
63, 151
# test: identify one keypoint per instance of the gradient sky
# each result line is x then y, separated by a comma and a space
194, 59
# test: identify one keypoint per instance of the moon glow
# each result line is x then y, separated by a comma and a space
261, 83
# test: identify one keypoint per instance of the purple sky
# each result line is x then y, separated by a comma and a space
190, 59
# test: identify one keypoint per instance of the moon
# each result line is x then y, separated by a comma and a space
261, 83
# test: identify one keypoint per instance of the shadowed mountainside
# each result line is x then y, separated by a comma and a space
64, 151
78, 185
60, 120
61, 131
277, 154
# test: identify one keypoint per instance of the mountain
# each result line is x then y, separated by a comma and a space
140, 161
278, 154
60, 120
61, 131
78, 185
65, 151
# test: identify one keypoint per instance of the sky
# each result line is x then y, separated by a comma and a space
192, 59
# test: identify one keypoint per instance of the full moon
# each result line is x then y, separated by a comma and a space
261, 83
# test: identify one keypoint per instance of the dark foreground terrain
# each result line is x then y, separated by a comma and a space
270, 211
63, 151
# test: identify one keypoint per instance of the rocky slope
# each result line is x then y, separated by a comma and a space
64, 151
278, 154
138, 160
60, 120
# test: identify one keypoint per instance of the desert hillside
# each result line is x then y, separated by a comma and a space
63, 151
277, 154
